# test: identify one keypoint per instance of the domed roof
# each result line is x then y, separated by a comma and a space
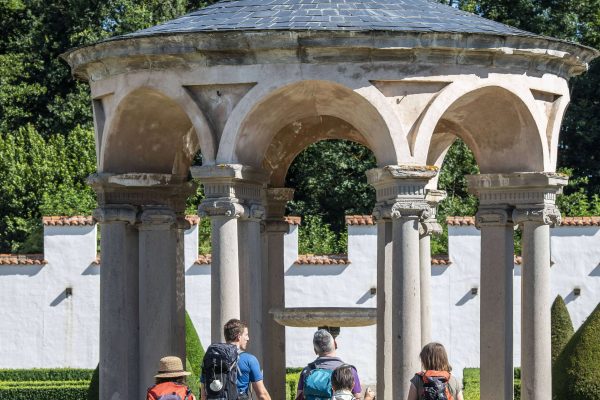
426, 16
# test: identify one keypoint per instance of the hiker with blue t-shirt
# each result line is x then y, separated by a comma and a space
228, 371
315, 379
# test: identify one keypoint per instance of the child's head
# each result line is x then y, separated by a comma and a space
434, 357
342, 378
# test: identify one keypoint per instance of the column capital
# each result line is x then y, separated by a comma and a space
142, 189
499, 216
116, 213
157, 217
400, 181
545, 214
411, 208
276, 200
223, 207
430, 227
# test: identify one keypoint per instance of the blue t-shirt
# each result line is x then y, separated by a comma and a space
249, 372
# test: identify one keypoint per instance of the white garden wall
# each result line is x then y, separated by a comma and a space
43, 327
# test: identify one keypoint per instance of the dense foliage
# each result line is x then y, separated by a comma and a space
561, 327
194, 354
575, 374
46, 144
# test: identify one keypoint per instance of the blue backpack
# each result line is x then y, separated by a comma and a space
317, 383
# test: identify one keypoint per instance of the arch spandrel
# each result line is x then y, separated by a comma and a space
266, 110
148, 132
500, 123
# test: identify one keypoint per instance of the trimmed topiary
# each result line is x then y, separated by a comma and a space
562, 327
194, 353
576, 375
93, 392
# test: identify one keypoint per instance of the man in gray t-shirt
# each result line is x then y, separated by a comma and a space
325, 347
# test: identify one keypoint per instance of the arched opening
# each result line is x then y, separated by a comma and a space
149, 133
498, 128
304, 112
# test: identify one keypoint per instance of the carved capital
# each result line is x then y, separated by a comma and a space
430, 226
412, 208
256, 211
224, 207
157, 217
547, 215
116, 213
493, 217
382, 212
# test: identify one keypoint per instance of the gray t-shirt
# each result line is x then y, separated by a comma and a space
454, 385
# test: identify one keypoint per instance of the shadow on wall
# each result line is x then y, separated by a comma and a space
595, 271
313, 270
369, 294
92, 269
571, 297
29, 270
198, 269
468, 296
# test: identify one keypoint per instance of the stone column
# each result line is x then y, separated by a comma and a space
384, 271
496, 303
232, 192
529, 197
155, 251
428, 227
274, 294
225, 272
162, 290
401, 190
119, 349
535, 219
251, 278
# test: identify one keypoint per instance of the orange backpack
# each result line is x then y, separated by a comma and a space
169, 391
435, 385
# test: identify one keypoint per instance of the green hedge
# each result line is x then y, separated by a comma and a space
471, 384
291, 382
576, 375
45, 393
561, 327
46, 374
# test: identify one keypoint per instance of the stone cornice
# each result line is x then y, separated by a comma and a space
116, 213
157, 217
522, 188
229, 172
523, 53
493, 217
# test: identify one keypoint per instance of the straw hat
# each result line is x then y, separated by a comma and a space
171, 367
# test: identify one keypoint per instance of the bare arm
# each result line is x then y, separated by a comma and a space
459, 396
260, 390
412, 393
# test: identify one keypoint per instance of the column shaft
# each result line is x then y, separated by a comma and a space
405, 302
384, 268
536, 359
496, 327
225, 274
162, 291
251, 283
119, 337
274, 298
425, 281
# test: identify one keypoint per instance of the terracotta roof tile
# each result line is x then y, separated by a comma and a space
293, 220
79, 220
22, 259
460, 221
581, 221
440, 259
360, 220
311, 259
192, 219
203, 259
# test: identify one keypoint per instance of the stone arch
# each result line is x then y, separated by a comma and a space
155, 130
498, 122
250, 134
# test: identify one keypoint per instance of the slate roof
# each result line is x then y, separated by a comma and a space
336, 15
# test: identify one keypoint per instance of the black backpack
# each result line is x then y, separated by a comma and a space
220, 371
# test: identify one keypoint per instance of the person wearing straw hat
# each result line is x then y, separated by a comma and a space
170, 381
